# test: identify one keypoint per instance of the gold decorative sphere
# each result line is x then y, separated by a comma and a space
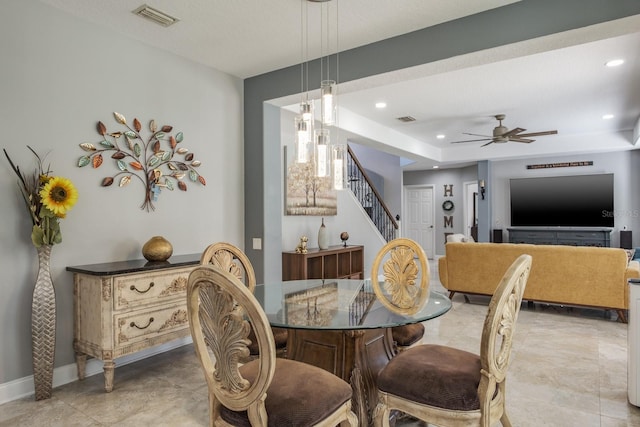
157, 249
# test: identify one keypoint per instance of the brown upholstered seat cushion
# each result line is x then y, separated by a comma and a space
434, 375
279, 335
299, 395
407, 335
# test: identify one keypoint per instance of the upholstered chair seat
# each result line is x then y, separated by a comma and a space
407, 335
426, 383
294, 394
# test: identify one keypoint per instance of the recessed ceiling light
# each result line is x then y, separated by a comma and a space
607, 116
436, 167
614, 62
440, 136
381, 104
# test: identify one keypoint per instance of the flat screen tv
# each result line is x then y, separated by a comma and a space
562, 201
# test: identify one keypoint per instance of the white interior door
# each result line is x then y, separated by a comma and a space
418, 221
470, 206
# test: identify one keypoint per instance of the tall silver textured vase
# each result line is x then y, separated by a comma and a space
43, 326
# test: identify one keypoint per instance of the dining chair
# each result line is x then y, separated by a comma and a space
232, 259
266, 391
405, 276
446, 386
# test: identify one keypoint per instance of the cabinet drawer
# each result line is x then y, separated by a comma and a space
141, 289
139, 325
532, 234
581, 235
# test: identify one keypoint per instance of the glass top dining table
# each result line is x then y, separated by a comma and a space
337, 304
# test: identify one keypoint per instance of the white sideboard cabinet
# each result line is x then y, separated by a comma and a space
125, 307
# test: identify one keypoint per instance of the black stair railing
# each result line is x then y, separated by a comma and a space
369, 198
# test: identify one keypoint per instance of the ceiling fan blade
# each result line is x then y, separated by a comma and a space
490, 142
475, 134
513, 132
519, 139
471, 140
548, 132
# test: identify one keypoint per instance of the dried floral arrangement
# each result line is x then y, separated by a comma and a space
143, 159
48, 198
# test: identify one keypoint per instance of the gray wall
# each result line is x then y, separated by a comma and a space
624, 165
59, 76
516, 22
439, 178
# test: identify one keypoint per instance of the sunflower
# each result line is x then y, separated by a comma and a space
59, 195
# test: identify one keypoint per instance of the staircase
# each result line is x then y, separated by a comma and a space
369, 198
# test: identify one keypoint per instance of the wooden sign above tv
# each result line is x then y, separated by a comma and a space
560, 165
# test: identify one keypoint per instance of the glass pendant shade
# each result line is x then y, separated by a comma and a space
303, 140
323, 160
306, 111
328, 101
339, 161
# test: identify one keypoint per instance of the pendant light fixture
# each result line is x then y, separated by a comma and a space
314, 144
304, 122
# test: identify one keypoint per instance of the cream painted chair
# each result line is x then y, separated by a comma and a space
403, 268
232, 259
266, 391
450, 387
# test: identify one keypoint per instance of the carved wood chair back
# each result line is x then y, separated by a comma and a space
230, 258
403, 268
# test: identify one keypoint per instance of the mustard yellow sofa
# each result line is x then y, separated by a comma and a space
571, 275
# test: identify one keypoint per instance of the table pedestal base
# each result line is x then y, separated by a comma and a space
356, 356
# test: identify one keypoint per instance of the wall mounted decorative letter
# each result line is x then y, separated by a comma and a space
153, 163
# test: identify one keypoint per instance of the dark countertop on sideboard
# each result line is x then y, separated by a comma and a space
134, 266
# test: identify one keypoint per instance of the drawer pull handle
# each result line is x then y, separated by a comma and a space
133, 324
133, 288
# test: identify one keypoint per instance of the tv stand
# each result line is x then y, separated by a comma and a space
571, 236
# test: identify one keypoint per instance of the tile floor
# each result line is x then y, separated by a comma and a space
569, 368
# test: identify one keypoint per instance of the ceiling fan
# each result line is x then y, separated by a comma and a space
503, 134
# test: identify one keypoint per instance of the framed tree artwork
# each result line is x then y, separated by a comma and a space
306, 193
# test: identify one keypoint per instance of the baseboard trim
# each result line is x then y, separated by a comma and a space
23, 387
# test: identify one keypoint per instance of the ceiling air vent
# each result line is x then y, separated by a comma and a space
155, 15
406, 119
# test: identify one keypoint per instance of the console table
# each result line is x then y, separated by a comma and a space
128, 306
571, 236
335, 262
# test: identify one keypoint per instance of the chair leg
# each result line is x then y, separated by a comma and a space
381, 416
504, 420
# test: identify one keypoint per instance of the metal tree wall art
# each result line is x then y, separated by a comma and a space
150, 161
